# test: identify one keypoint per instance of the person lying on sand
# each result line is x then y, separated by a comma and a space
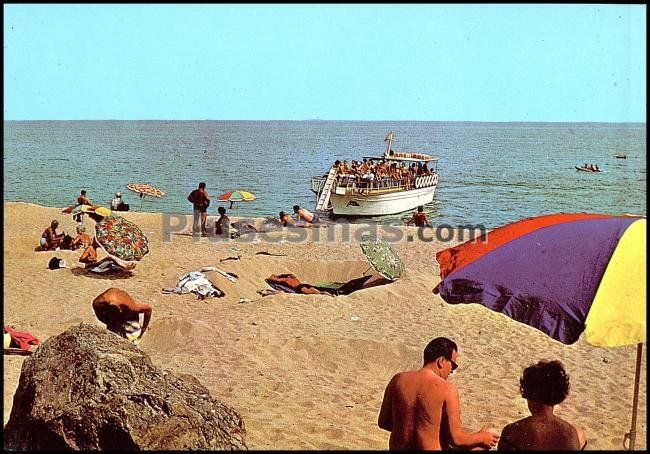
421, 409
108, 262
121, 313
543, 385
287, 221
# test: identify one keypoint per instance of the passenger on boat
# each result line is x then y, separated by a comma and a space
596, 168
419, 218
305, 215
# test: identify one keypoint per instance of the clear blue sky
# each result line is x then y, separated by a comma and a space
526, 62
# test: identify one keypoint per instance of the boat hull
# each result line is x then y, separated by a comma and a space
381, 204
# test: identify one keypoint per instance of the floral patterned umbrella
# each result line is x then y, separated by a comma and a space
121, 238
383, 258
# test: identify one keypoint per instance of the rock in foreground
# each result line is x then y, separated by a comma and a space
89, 389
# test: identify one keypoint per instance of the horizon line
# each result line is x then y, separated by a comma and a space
339, 120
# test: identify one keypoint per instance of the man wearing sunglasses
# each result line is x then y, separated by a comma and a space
421, 409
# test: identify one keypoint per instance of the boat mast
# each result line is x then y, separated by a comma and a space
389, 139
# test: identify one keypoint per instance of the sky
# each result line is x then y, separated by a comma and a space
372, 62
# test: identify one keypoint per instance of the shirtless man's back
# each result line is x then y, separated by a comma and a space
418, 399
421, 409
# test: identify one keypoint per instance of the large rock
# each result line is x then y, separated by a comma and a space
89, 389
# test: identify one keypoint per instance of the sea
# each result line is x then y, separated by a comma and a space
490, 174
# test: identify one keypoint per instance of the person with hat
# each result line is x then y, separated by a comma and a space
82, 239
117, 204
117, 201
50, 240
121, 313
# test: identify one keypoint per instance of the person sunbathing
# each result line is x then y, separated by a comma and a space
543, 385
286, 220
107, 263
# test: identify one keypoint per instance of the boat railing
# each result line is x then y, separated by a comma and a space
351, 185
354, 184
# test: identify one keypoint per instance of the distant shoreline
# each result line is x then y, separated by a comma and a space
492, 122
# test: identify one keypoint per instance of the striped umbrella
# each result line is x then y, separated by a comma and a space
236, 196
561, 274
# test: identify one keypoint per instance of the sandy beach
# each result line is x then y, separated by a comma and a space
309, 371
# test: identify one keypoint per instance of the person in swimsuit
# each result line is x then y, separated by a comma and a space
200, 200
543, 385
419, 218
222, 225
305, 215
50, 240
421, 409
121, 313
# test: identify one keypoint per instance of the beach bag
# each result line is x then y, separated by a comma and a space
67, 242
55, 263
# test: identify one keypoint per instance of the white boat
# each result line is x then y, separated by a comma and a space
351, 195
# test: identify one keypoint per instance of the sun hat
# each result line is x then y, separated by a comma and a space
118, 194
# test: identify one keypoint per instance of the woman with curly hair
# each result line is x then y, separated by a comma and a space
543, 385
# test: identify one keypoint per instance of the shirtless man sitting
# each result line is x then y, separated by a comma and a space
50, 240
118, 311
421, 409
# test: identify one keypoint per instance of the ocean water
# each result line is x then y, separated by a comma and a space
489, 173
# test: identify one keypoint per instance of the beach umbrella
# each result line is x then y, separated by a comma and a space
121, 238
383, 258
561, 274
236, 196
145, 189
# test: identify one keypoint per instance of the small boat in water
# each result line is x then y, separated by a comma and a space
588, 169
404, 181
620, 156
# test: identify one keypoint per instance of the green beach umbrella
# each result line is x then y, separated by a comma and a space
383, 258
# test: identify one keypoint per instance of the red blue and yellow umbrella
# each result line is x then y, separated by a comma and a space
236, 196
562, 274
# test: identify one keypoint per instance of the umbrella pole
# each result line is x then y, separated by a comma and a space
141, 201
632, 434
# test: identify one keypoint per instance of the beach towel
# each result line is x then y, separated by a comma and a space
20, 338
195, 282
290, 284
342, 288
